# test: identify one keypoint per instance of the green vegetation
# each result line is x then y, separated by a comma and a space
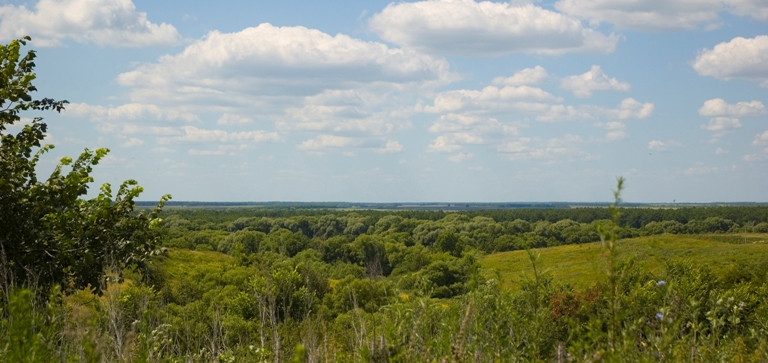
581, 265
94, 281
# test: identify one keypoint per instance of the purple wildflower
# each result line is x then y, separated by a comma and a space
659, 316
661, 283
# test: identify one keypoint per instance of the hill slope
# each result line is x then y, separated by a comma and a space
583, 265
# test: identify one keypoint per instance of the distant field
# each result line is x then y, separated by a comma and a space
583, 265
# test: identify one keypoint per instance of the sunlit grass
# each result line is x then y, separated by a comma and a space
186, 262
583, 265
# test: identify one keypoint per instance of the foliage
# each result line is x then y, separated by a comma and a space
48, 234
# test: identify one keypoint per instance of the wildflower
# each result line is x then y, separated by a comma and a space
661, 283
659, 316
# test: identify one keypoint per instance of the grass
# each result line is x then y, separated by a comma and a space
583, 265
182, 262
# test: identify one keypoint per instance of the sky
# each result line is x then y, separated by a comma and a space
424, 101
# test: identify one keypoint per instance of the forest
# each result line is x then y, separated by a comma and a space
98, 279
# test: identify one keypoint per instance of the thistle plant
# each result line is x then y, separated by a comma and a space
609, 238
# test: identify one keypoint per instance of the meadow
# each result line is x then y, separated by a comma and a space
583, 265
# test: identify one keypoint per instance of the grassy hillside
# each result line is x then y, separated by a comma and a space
583, 265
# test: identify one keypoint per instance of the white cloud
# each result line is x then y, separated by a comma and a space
616, 130
720, 151
701, 170
566, 147
347, 111
744, 58
563, 113
517, 100
490, 97
756, 9
103, 22
458, 130
164, 150
133, 142
324, 141
657, 145
629, 108
443, 144
390, 148
761, 139
461, 157
524, 77
667, 15
216, 152
129, 111
271, 61
756, 157
229, 119
473, 124
594, 80
301, 79
718, 107
466, 27
615, 135
613, 126
194, 134
722, 125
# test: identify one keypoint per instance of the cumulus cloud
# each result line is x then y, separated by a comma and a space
459, 130
522, 78
743, 58
718, 107
103, 22
583, 85
229, 119
525, 148
701, 170
756, 157
390, 147
656, 16
273, 61
553, 113
490, 97
217, 152
755, 9
347, 111
616, 130
129, 111
720, 151
466, 27
443, 144
302, 79
194, 134
461, 157
761, 139
628, 108
133, 142
516, 100
658, 145
325, 141
722, 125
474, 124
454, 142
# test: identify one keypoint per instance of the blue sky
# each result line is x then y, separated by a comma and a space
440, 100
